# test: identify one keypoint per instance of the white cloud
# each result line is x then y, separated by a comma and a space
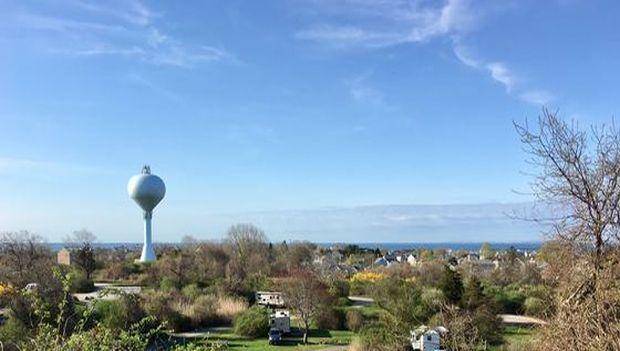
24, 166
378, 24
125, 28
141, 81
502, 74
361, 91
342, 36
537, 97
130, 11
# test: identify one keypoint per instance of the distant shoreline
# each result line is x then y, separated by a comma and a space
389, 246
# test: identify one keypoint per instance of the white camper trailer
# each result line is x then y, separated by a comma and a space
269, 298
280, 320
427, 339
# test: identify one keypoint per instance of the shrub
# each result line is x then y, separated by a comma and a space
343, 302
119, 314
489, 325
159, 305
191, 291
339, 288
510, 301
535, 306
380, 336
354, 320
368, 276
80, 284
229, 307
330, 318
13, 332
254, 322
204, 310
167, 284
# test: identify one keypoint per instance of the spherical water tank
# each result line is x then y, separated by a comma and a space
146, 189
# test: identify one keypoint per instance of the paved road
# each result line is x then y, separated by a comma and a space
360, 301
101, 287
516, 319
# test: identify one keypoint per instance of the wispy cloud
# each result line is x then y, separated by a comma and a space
127, 29
361, 91
23, 166
143, 82
379, 24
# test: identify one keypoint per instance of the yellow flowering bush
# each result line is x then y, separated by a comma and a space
6, 289
367, 277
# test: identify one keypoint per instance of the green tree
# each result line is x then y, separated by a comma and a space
452, 285
85, 259
486, 251
473, 295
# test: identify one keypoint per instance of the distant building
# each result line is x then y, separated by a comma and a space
412, 259
64, 257
382, 261
270, 298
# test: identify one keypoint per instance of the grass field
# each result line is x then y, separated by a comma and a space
318, 340
516, 338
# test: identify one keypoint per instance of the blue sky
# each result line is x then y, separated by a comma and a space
250, 107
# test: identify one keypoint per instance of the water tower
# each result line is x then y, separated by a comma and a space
147, 190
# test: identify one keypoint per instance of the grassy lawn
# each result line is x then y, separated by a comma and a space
318, 340
516, 338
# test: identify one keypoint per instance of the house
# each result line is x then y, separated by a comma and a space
427, 339
270, 298
64, 257
412, 259
382, 261
280, 320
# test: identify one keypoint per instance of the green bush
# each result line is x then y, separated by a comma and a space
354, 320
253, 322
80, 284
13, 332
489, 325
330, 318
339, 288
167, 284
380, 335
509, 301
159, 305
535, 306
343, 302
191, 291
119, 314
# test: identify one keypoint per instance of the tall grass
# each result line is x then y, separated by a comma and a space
228, 307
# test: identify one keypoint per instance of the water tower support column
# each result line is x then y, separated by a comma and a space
148, 254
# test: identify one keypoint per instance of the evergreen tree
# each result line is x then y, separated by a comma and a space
474, 296
486, 251
452, 285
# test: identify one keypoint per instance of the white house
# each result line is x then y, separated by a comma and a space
412, 260
382, 261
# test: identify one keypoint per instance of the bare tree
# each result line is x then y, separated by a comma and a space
249, 252
80, 237
578, 177
23, 257
305, 294
462, 332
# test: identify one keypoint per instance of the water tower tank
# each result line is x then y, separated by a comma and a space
147, 190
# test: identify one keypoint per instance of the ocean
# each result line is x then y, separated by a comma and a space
468, 246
